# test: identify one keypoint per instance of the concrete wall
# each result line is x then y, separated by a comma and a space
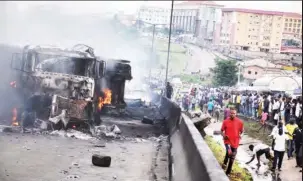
190, 157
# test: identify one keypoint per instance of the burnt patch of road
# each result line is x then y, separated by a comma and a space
137, 154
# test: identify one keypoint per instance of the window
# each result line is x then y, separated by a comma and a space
248, 36
256, 73
295, 25
257, 43
298, 30
290, 20
299, 21
289, 29
298, 25
249, 72
295, 20
285, 24
285, 29
286, 19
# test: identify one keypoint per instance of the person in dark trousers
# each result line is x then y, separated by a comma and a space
169, 90
279, 148
287, 110
231, 129
258, 151
266, 105
298, 139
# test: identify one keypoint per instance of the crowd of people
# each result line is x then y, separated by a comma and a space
282, 111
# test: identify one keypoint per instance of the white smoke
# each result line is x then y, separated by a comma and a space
48, 24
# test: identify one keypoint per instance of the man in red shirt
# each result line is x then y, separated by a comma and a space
231, 129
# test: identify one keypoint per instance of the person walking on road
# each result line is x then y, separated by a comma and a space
298, 139
210, 107
291, 126
231, 129
279, 148
258, 151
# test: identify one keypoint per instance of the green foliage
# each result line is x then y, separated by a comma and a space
225, 73
193, 78
238, 173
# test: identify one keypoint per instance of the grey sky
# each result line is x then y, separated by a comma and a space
132, 6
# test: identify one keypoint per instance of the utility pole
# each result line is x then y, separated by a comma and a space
152, 46
169, 38
152, 51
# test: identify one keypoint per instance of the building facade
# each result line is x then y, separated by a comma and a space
256, 30
256, 68
199, 18
154, 15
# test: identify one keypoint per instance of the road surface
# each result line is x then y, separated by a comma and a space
201, 59
28, 157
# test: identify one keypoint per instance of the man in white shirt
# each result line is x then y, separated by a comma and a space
279, 148
276, 110
258, 151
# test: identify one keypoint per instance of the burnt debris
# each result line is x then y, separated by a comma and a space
67, 86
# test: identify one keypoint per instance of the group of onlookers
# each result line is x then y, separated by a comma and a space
284, 112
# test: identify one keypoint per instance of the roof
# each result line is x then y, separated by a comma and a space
260, 63
281, 83
255, 11
193, 3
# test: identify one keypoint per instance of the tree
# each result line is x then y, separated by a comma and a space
225, 73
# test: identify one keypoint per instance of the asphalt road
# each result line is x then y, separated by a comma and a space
200, 60
27, 157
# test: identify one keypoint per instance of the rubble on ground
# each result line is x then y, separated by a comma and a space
200, 119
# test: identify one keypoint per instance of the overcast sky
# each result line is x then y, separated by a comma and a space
131, 6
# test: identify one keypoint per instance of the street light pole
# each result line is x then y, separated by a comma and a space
169, 39
152, 51
152, 46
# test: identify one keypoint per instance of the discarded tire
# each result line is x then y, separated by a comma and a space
147, 120
101, 160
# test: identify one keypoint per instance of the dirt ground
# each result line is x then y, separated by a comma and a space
27, 157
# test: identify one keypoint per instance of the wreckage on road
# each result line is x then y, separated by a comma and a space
68, 85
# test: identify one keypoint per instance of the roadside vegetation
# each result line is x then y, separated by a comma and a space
251, 129
178, 57
238, 173
194, 78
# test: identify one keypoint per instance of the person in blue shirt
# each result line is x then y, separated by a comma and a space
210, 107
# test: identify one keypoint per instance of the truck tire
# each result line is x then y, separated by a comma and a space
101, 160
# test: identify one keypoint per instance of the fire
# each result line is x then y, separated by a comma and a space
107, 99
13, 84
14, 118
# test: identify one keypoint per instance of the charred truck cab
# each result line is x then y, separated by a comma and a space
64, 85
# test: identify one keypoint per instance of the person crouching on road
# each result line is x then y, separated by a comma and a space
258, 151
231, 129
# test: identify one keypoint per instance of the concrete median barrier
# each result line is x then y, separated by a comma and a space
190, 157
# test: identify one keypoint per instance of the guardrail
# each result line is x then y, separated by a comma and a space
190, 157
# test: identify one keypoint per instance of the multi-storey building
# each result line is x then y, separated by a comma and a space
292, 33
154, 15
256, 30
197, 17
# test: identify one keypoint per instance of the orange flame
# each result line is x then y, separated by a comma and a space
13, 84
106, 100
14, 118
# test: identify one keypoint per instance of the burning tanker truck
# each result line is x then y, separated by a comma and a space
67, 86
